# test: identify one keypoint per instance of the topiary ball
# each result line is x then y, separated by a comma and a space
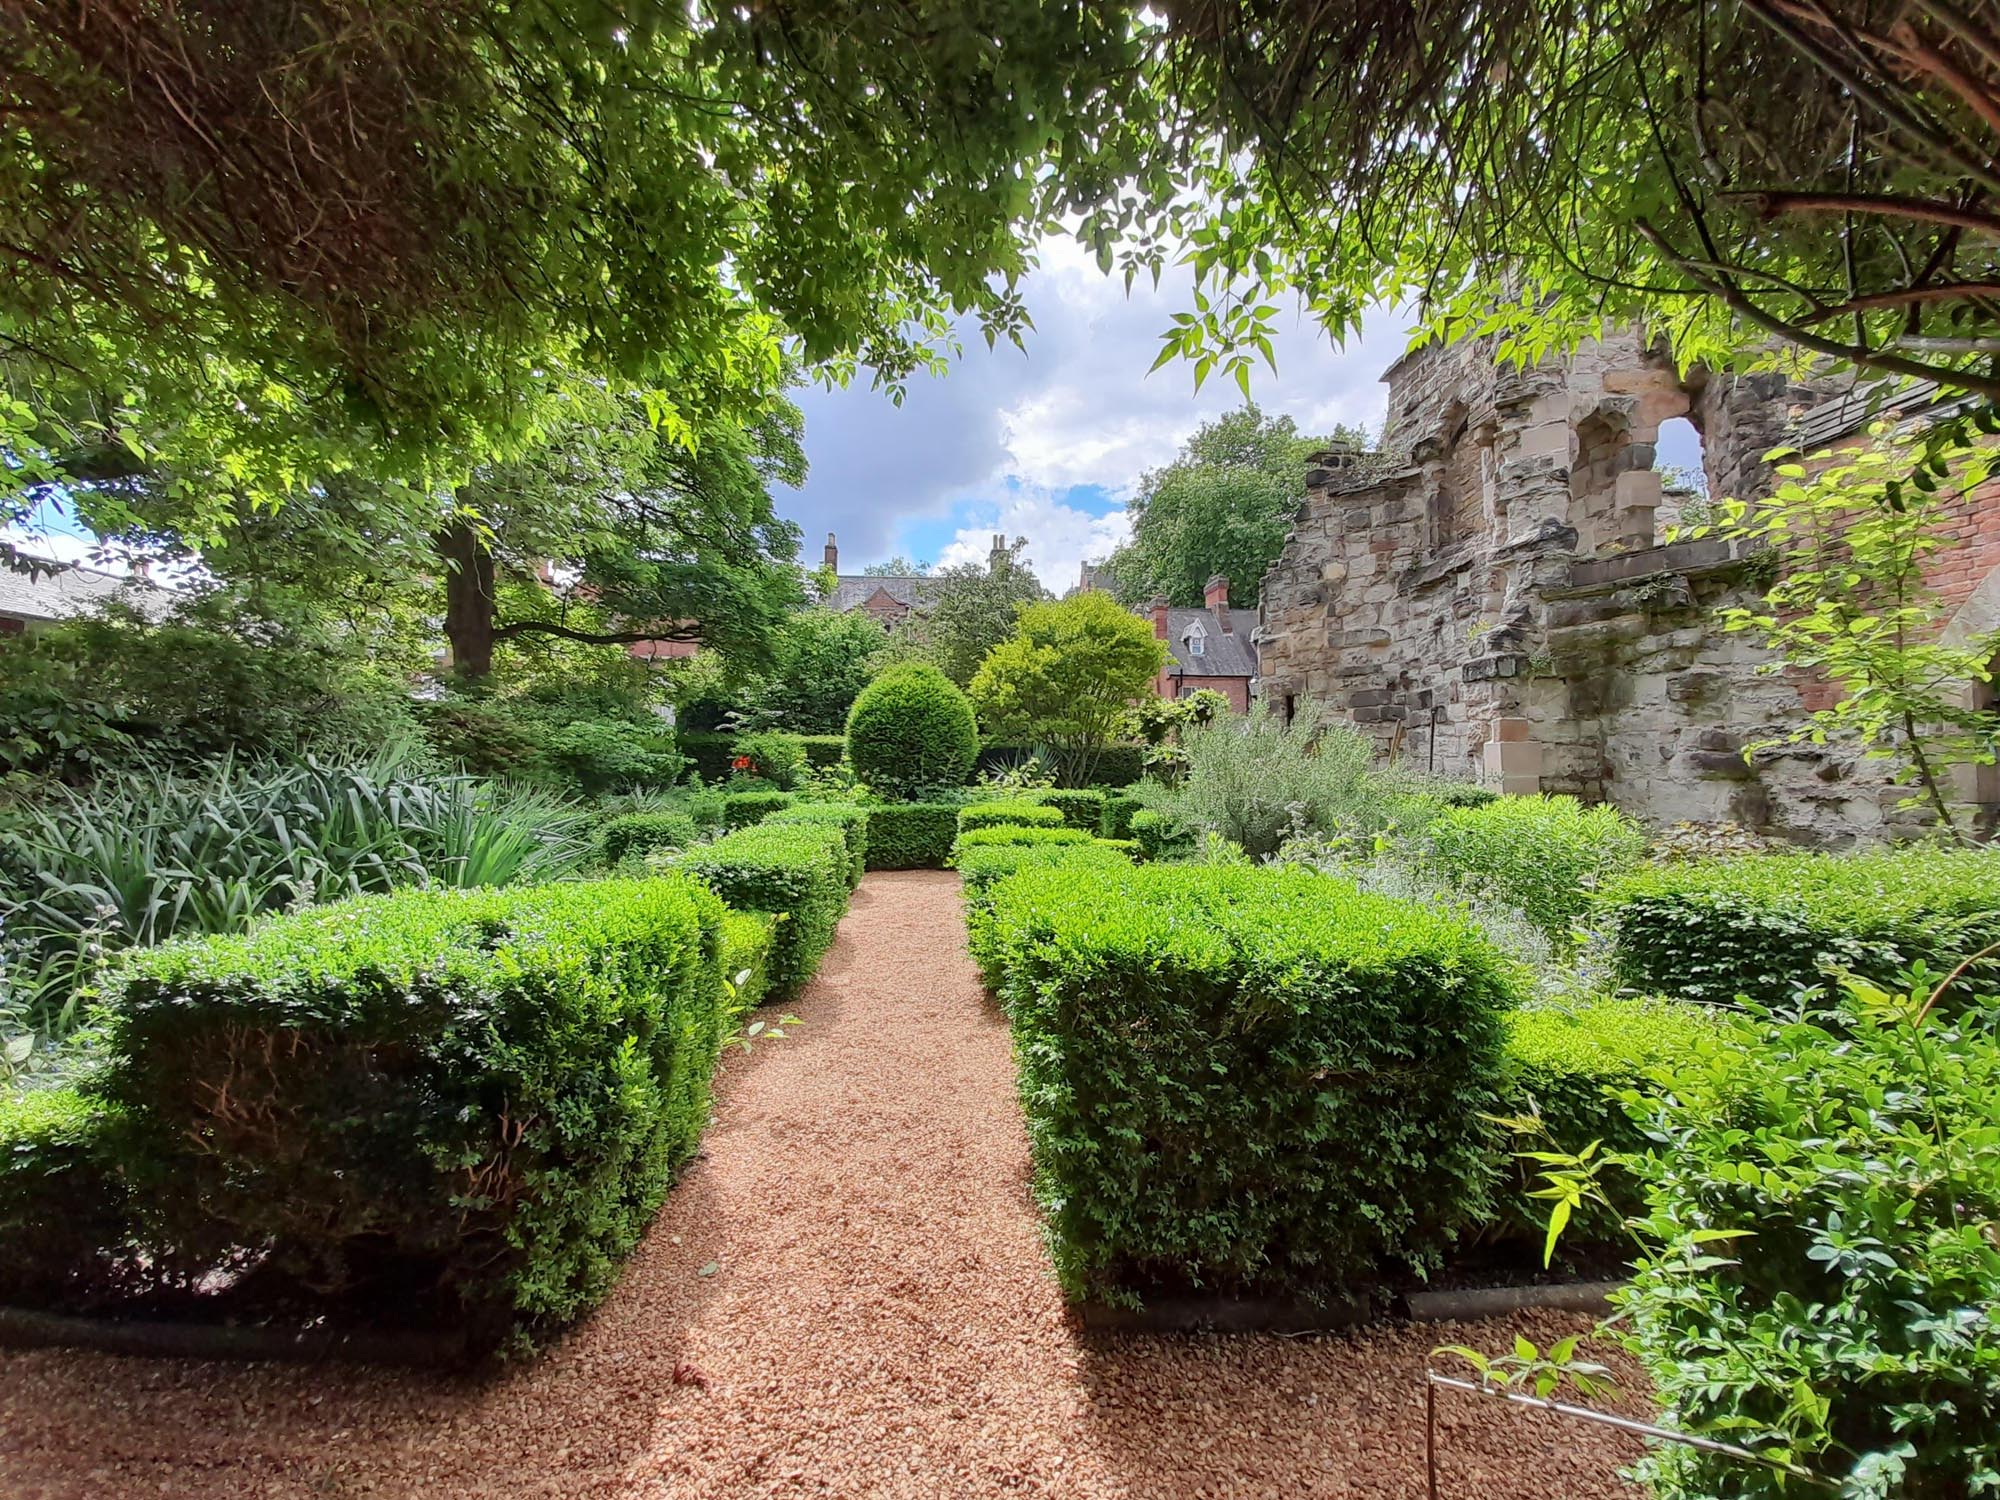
910, 729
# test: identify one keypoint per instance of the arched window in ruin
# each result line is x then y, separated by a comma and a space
1681, 462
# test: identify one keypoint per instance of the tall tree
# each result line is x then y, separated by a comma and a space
1223, 505
968, 609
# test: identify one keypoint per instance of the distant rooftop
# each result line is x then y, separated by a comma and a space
66, 592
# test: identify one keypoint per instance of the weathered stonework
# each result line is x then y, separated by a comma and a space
1490, 596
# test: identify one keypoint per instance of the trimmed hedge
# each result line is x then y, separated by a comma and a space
1158, 836
65, 1209
1568, 1064
1757, 926
641, 833
742, 809
481, 1092
1081, 807
910, 730
983, 867
1005, 834
1546, 857
1011, 814
1248, 1080
1119, 810
852, 822
911, 835
795, 871
746, 955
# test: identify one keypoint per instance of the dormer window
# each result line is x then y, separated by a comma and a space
1196, 638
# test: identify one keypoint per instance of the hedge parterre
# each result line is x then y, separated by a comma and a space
1760, 925
484, 1094
850, 820
1246, 1080
798, 872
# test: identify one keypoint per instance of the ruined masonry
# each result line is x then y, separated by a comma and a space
1490, 596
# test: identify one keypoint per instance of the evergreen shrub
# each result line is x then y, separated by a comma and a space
795, 871
1158, 836
1759, 926
741, 809
911, 835
852, 822
1014, 813
747, 937
484, 1094
911, 731
65, 1213
1247, 1079
641, 833
1081, 807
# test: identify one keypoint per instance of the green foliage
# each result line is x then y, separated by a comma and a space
1546, 857
1566, 1067
965, 611
1081, 807
911, 731
777, 757
852, 822
747, 939
1818, 1266
1116, 765
1859, 540
1018, 813
795, 871
1158, 836
911, 835
982, 867
1224, 505
820, 663
1119, 809
712, 753
484, 1093
741, 809
1712, 930
1067, 676
1246, 1080
138, 858
1254, 779
65, 1212
598, 756
81, 697
640, 834
1015, 835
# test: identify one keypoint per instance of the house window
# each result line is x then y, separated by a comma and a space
1197, 639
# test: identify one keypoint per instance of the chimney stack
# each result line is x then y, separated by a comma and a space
1217, 598
832, 553
1159, 609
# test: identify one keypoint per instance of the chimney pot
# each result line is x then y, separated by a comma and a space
1159, 608
832, 553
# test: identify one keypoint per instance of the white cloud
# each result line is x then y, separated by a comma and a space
1061, 538
1078, 408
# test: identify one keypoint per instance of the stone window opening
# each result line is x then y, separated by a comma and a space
1681, 460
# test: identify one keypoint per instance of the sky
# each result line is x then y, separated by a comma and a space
1048, 444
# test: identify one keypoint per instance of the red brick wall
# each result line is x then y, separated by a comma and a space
1235, 689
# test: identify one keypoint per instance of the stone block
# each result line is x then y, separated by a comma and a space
1512, 758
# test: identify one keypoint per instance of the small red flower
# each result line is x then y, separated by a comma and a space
743, 763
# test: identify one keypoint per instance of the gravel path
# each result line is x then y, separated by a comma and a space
845, 1296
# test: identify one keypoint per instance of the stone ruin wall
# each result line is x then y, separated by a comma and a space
1490, 598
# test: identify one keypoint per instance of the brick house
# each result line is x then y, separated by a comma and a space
59, 592
885, 599
1205, 649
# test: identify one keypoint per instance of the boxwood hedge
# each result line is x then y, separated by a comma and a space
1004, 835
911, 835
641, 833
65, 1210
852, 822
1158, 836
795, 871
474, 1099
1119, 808
1760, 925
1568, 1064
1081, 807
983, 867
910, 730
1017, 813
1546, 857
1247, 1079
746, 955
741, 809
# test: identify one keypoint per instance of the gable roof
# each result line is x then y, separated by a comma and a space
72, 591
1224, 653
852, 590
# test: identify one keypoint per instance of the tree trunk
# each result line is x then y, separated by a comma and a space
468, 599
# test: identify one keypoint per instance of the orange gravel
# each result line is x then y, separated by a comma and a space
846, 1295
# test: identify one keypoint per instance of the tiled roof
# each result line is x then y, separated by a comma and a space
1223, 655
852, 590
1845, 415
75, 591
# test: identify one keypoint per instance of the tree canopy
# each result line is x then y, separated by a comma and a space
1224, 505
1753, 179
966, 610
